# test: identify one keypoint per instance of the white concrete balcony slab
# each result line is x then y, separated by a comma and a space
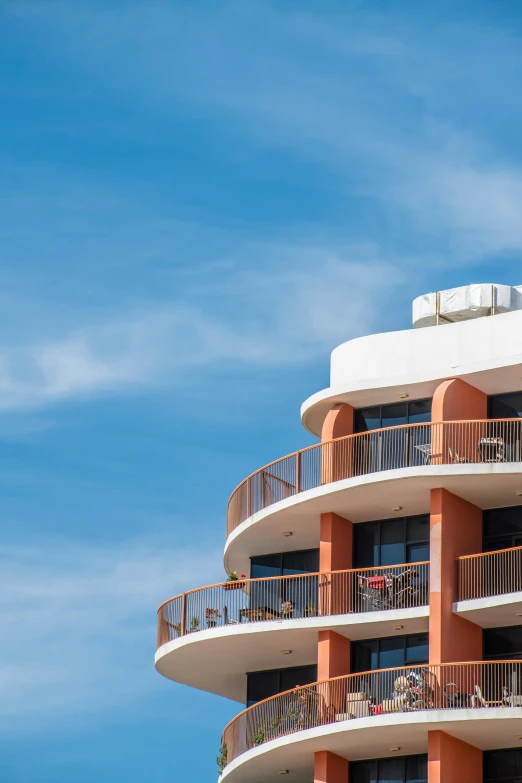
256, 624
367, 715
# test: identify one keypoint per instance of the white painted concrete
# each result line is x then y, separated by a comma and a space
364, 498
217, 659
373, 737
492, 612
487, 353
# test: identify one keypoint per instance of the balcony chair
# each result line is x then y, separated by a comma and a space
456, 459
456, 699
478, 700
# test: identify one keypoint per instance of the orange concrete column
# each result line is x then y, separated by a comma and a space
335, 554
335, 543
337, 455
333, 655
455, 529
451, 760
455, 400
330, 768
338, 422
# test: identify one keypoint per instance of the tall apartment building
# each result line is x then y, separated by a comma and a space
374, 631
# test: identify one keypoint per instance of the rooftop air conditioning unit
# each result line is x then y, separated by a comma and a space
465, 303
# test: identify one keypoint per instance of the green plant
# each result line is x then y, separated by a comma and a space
310, 608
259, 736
222, 759
194, 623
233, 577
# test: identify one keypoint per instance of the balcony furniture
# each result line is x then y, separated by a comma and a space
456, 459
478, 700
454, 698
226, 619
491, 449
394, 591
258, 613
425, 450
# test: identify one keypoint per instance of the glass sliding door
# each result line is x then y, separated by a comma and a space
399, 769
285, 598
395, 448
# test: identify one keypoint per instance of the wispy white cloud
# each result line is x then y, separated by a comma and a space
77, 623
288, 312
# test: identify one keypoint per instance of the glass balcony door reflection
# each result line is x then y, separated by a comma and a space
285, 598
396, 448
402, 769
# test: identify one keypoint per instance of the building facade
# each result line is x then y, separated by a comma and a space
372, 623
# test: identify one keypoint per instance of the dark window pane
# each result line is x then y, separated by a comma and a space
503, 522
393, 542
261, 685
366, 545
305, 562
367, 419
300, 675
266, 565
365, 655
394, 415
503, 642
417, 553
505, 406
391, 771
419, 411
363, 772
503, 765
416, 769
418, 529
391, 652
417, 649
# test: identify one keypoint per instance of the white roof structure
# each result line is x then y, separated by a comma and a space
465, 303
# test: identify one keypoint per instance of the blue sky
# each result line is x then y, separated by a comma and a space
198, 202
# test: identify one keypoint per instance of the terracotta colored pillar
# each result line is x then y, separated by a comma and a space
330, 768
338, 422
456, 401
335, 554
333, 655
455, 529
337, 449
451, 760
335, 543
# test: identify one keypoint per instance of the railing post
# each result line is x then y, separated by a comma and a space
297, 471
182, 625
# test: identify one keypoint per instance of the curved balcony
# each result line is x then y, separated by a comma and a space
245, 625
403, 703
490, 587
456, 443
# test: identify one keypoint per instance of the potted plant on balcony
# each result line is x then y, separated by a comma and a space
222, 759
211, 616
234, 581
310, 609
287, 608
194, 624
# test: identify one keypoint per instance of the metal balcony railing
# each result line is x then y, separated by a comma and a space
442, 443
294, 597
454, 686
489, 574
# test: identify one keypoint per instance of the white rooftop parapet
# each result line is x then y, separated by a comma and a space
465, 303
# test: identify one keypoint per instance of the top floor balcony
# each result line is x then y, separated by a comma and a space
455, 443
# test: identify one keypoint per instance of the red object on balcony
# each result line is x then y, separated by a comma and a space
377, 582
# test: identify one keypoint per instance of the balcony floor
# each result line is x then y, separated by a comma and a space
365, 498
234, 650
488, 729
